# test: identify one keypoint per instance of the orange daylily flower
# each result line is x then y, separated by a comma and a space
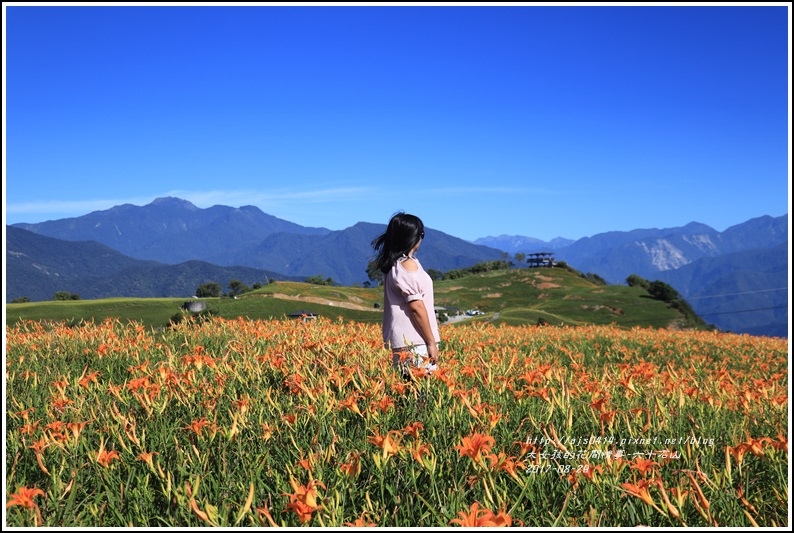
413, 429
60, 403
55, 427
400, 388
642, 465
307, 462
626, 382
679, 494
504, 463
25, 413
740, 495
590, 471
384, 403
362, 521
640, 490
756, 446
303, 501
573, 479
419, 450
303, 511
477, 517
351, 402
77, 427
86, 379
541, 393
197, 425
29, 429
39, 446
475, 445
267, 430
468, 371
147, 457
607, 416
598, 405
264, 512
242, 404
386, 443
105, 457
24, 497
353, 467
738, 451
781, 443
525, 447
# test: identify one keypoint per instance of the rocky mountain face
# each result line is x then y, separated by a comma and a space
736, 279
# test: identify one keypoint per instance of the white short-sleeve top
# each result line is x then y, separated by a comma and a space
400, 287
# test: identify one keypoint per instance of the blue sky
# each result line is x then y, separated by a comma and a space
482, 120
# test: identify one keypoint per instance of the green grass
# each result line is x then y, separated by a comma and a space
557, 296
524, 296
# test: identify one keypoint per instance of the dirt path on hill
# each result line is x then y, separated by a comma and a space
323, 301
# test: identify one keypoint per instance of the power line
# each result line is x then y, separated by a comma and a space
735, 293
746, 310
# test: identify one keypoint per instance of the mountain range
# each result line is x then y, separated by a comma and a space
170, 246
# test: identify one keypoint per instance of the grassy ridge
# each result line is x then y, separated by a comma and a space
514, 297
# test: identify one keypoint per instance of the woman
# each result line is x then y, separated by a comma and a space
410, 329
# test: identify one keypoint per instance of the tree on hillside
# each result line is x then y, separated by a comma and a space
636, 281
319, 280
237, 287
435, 274
594, 278
65, 295
374, 274
209, 290
662, 291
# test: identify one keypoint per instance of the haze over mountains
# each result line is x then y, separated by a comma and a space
167, 246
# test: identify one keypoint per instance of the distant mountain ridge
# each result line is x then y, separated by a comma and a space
744, 292
736, 279
513, 244
37, 267
171, 231
174, 231
646, 252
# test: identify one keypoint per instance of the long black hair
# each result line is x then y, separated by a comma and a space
402, 234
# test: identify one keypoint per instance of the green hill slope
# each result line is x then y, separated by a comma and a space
524, 296
554, 296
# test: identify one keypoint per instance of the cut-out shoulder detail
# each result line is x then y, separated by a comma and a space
409, 264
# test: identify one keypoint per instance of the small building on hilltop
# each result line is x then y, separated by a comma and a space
541, 259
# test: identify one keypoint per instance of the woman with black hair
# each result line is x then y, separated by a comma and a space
410, 329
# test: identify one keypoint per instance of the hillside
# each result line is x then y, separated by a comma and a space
172, 231
524, 296
647, 252
744, 292
37, 267
698, 261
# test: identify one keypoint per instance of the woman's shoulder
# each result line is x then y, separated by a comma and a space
408, 263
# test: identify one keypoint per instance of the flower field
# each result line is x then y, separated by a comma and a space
269, 423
